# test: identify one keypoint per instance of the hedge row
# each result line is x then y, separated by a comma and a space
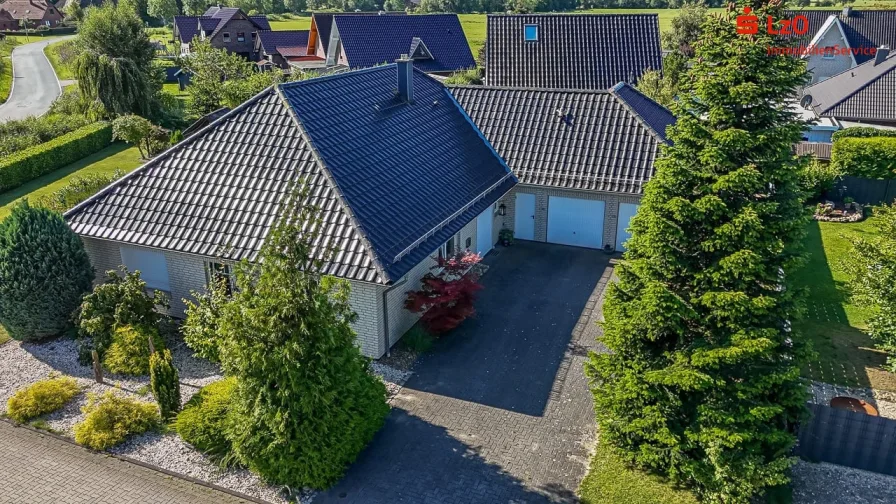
872, 157
33, 162
862, 132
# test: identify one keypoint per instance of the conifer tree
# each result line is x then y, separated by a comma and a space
702, 381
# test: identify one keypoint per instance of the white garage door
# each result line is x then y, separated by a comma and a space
626, 212
573, 221
150, 263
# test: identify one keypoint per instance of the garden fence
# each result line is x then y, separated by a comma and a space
863, 190
850, 439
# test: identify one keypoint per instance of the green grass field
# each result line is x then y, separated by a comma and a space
834, 323
63, 72
105, 162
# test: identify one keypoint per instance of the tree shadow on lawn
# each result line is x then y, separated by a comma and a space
845, 355
413, 461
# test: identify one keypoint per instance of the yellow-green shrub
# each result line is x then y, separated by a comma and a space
40, 398
129, 352
111, 418
203, 421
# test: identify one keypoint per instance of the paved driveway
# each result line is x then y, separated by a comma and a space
499, 411
34, 83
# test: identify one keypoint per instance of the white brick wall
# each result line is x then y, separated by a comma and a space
367, 301
611, 208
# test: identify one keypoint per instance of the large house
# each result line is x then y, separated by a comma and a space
7, 22
844, 38
224, 27
402, 168
32, 13
435, 42
570, 51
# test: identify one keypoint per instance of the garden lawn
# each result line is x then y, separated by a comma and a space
609, 481
105, 162
63, 72
833, 323
6, 72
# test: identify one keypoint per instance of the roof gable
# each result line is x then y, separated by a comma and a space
871, 28
322, 24
573, 51
373, 40
574, 139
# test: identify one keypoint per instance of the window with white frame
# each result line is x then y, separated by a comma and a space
828, 53
151, 264
220, 272
226, 36
447, 249
240, 37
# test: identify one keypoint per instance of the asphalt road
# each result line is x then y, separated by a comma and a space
34, 84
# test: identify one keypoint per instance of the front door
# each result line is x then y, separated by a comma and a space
626, 212
484, 231
524, 217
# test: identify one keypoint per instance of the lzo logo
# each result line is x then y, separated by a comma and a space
748, 24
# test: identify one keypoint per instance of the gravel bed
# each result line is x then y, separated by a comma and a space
884, 401
833, 484
394, 378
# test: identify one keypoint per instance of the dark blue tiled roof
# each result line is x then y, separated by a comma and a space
403, 169
208, 24
187, 27
655, 115
373, 40
261, 21
271, 40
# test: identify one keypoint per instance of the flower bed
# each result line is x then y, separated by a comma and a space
831, 212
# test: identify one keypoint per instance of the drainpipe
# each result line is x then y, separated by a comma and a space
386, 313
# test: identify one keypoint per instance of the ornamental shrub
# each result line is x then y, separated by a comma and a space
27, 165
165, 383
122, 300
873, 157
44, 272
40, 398
203, 421
818, 177
129, 352
111, 418
447, 296
200, 328
305, 404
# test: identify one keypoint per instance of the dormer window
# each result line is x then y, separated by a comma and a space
226, 36
240, 37
828, 53
530, 32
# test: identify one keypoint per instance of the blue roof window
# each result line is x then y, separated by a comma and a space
530, 32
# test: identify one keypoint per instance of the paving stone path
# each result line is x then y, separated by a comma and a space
499, 411
40, 469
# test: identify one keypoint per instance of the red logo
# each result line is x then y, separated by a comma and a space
748, 24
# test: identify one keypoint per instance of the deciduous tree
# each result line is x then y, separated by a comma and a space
702, 381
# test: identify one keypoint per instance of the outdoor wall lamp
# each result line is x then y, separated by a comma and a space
502, 209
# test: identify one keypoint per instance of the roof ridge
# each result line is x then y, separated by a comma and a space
856, 90
340, 197
633, 112
575, 14
165, 154
525, 88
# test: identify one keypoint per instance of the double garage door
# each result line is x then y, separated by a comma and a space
572, 221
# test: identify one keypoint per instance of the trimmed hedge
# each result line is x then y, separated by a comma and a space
41, 159
868, 157
49, 32
862, 132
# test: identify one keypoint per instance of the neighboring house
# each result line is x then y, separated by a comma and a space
570, 51
435, 42
399, 177
33, 12
281, 48
582, 158
224, 27
832, 31
7, 22
864, 95
61, 4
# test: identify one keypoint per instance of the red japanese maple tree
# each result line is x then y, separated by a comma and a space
447, 294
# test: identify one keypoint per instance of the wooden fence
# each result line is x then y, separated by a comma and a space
850, 439
863, 190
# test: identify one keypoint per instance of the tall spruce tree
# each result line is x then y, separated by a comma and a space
702, 383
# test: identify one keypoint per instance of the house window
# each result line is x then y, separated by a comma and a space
151, 264
828, 53
226, 37
530, 32
447, 249
219, 272
469, 242
240, 37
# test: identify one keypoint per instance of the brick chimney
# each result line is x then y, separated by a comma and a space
846, 12
405, 67
881, 54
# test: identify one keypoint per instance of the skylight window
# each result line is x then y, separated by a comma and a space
530, 32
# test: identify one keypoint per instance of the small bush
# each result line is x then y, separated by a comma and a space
418, 339
40, 398
446, 297
165, 384
77, 190
818, 177
873, 157
200, 328
203, 421
129, 352
111, 418
120, 301
41, 159
44, 272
